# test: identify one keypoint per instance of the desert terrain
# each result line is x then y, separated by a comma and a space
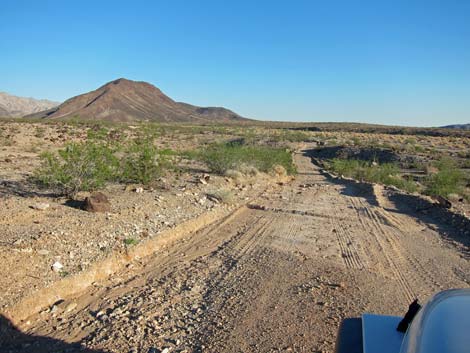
203, 259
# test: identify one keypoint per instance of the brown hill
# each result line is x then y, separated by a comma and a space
126, 100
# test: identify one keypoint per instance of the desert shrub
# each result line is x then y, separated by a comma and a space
222, 157
410, 141
190, 154
233, 174
248, 170
131, 241
449, 179
221, 195
143, 162
97, 132
78, 167
291, 136
40, 132
356, 141
419, 148
386, 173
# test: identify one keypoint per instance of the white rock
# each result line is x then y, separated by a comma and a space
71, 306
40, 206
139, 190
57, 266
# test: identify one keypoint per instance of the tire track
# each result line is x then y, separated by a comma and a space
420, 272
349, 252
396, 267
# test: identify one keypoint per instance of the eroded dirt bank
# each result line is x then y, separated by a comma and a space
277, 276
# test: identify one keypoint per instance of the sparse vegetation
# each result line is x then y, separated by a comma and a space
40, 132
449, 179
221, 195
90, 165
131, 241
231, 156
77, 167
386, 173
142, 162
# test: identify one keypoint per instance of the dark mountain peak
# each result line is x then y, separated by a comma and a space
127, 100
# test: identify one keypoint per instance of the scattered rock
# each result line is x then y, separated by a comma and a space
43, 252
139, 190
57, 266
40, 206
443, 202
71, 307
257, 207
97, 202
279, 171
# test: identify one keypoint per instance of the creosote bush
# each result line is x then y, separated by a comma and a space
387, 173
231, 156
78, 167
142, 163
448, 179
90, 165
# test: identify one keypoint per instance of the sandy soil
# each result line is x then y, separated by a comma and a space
277, 275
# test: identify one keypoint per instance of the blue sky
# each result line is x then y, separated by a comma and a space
391, 62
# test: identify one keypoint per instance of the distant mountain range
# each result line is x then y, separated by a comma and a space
126, 100
458, 126
13, 106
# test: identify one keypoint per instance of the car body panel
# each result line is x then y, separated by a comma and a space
379, 334
442, 325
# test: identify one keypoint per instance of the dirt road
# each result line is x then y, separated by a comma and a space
276, 276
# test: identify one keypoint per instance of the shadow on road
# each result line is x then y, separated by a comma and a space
351, 188
13, 340
450, 225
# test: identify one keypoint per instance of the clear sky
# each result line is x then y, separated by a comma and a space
402, 62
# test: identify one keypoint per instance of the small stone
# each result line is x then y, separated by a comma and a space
57, 266
139, 190
40, 206
97, 202
43, 252
71, 307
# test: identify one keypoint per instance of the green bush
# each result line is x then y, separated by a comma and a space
78, 167
131, 241
387, 173
143, 163
448, 180
291, 136
222, 157
90, 165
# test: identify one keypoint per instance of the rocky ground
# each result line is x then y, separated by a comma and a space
276, 275
45, 237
